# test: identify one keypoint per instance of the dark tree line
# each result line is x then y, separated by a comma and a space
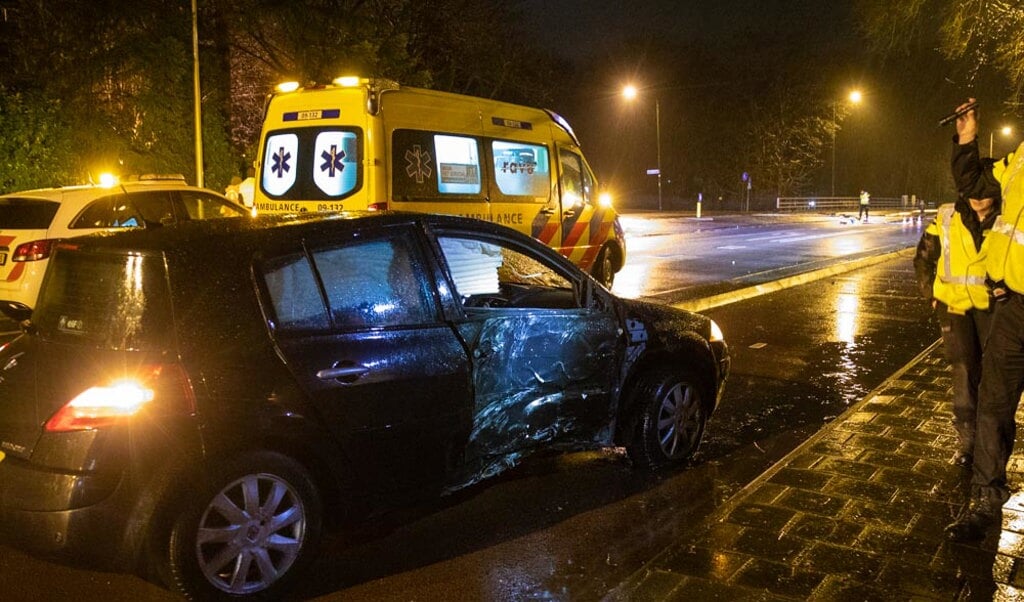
106, 85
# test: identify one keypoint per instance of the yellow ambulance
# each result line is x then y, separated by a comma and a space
358, 144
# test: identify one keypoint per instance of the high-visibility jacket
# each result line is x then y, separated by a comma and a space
1006, 249
959, 268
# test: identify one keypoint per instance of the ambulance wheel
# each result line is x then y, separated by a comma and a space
603, 270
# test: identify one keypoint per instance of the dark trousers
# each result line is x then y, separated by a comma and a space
863, 212
1002, 381
963, 337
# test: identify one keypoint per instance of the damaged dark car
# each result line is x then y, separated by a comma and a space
199, 404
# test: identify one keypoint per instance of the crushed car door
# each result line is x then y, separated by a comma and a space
542, 361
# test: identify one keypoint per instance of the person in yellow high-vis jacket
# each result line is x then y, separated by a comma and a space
950, 268
1002, 370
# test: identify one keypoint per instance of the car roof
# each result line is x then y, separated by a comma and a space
88, 192
213, 236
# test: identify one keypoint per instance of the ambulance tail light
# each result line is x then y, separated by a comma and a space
33, 251
378, 206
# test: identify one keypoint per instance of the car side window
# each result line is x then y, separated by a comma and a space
155, 206
490, 273
199, 205
375, 283
115, 211
294, 294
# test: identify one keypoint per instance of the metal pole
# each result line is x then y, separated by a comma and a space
835, 126
991, 140
657, 134
196, 97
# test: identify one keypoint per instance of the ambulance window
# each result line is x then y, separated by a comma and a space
429, 166
279, 158
573, 180
311, 163
521, 169
335, 169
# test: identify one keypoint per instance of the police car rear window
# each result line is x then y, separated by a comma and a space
105, 299
27, 214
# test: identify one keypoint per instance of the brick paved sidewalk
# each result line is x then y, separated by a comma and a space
855, 513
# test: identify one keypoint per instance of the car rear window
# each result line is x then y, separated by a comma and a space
27, 214
106, 299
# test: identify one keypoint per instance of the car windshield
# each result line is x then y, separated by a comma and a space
27, 214
111, 300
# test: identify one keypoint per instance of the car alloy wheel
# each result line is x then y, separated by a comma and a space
670, 420
250, 533
680, 421
254, 528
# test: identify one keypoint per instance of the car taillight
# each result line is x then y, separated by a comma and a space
119, 400
379, 206
33, 251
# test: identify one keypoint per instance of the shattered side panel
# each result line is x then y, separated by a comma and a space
540, 377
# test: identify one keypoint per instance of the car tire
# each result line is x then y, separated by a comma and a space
248, 533
671, 419
603, 270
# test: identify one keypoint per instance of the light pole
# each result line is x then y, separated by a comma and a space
1006, 131
854, 97
630, 93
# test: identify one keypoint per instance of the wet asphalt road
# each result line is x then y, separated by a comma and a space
574, 526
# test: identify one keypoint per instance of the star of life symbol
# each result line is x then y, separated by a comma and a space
280, 165
332, 161
418, 163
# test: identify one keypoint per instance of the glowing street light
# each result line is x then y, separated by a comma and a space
630, 93
854, 97
1005, 131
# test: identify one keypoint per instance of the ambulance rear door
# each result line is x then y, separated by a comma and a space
313, 152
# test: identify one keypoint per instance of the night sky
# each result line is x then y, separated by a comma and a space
881, 145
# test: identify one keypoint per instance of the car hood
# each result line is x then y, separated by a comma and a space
666, 319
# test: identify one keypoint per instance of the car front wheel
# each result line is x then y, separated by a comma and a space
248, 534
671, 420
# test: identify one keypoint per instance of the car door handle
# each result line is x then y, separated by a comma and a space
339, 372
548, 211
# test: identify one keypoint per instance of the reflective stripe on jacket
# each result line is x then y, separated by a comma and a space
1006, 247
960, 273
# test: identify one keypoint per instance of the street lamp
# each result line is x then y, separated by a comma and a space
1006, 131
854, 97
630, 93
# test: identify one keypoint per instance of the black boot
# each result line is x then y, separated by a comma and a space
977, 519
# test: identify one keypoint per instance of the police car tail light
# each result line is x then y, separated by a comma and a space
33, 251
114, 402
381, 206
